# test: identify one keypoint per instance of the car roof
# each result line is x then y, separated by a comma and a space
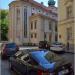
60, 60
39, 56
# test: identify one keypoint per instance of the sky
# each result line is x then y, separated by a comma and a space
4, 3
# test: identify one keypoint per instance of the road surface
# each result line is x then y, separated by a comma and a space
4, 64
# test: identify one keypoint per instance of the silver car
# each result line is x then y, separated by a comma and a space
57, 47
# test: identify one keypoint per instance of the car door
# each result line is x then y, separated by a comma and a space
16, 62
24, 65
27, 68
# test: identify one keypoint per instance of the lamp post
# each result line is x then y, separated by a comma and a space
44, 36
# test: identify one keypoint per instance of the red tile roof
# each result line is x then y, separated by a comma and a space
39, 5
47, 9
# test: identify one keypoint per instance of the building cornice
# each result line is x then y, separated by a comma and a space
36, 4
67, 21
42, 16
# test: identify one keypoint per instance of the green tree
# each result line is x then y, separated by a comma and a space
4, 24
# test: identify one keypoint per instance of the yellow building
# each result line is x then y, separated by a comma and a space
66, 24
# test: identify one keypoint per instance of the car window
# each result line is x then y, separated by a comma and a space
29, 60
52, 57
18, 53
32, 61
25, 57
21, 54
11, 45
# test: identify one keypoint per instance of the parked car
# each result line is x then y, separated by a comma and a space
40, 62
44, 45
8, 49
0, 47
57, 47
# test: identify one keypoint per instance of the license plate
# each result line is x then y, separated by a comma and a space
63, 72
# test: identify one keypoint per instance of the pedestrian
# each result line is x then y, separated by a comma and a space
67, 45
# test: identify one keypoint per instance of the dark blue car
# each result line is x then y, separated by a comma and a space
9, 49
39, 62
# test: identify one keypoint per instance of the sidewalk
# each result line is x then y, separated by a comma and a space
70, 51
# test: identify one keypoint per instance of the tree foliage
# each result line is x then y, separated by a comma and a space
4, 24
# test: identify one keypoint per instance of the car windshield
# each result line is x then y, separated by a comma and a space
20, 55
11, 45
52, 57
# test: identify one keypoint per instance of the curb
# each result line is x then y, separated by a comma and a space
70, 52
